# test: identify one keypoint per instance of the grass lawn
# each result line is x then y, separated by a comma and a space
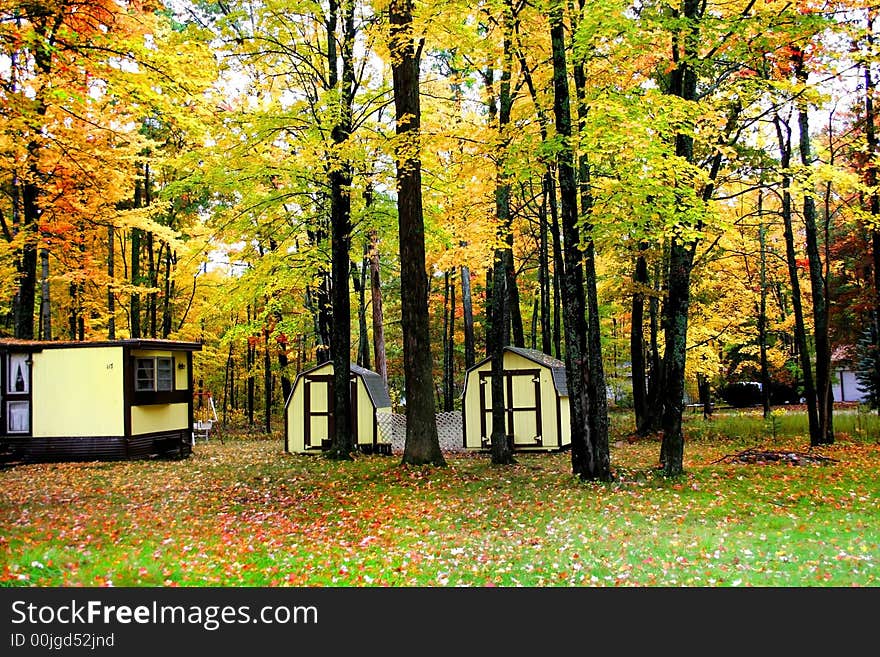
244, 513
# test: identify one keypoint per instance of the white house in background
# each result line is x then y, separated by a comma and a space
845, 386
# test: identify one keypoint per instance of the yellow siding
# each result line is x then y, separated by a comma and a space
365, 414
78, 392
296, 415
525, 426
181, 381
159, 417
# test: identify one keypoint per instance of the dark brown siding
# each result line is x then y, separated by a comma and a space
171, 444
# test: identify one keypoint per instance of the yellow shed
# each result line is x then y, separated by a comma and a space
535, 401
308, 412
80, 401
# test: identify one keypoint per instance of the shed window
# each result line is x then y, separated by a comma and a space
18, 414
154, 374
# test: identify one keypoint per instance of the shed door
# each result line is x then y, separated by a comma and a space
16, 411
318, 411
522, 404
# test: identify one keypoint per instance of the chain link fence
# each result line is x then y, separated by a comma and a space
449, 430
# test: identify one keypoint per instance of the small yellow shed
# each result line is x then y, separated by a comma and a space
110, 400
535, 402
308, 412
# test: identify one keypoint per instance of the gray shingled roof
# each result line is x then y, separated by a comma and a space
556, 366
375, 386
372, 380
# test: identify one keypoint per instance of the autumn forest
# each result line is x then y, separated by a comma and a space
670, 197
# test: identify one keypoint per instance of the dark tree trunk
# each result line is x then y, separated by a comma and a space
590, 460
169, 293
544, 276
45, 303
596, 388
111, 274
267, 383
505, 297
871, 178
705, 392
783, 135
468, 312
762, 312
341, 440
153, 280
250, 363
514, 313
376, 301
824, 397
422, 444
359, 280
229, 372
637, 340
487, 311
449, 344
681, 259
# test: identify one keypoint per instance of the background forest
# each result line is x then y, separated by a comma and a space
217, 171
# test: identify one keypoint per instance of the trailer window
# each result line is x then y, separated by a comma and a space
154, 374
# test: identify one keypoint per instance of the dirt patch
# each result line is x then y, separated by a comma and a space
754, 456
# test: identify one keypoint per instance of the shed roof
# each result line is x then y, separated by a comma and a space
135, 343
556, 366
372, 381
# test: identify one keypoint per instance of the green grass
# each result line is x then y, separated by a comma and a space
243, 513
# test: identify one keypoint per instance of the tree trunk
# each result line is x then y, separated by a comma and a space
341, 441
267, 383
871, 172
376, 301
824, 397
468, 311
681, 259
422, 444
596, 389
359, 280
637, 340
762, 311
590, 460
111, 274
800, 334
45, 304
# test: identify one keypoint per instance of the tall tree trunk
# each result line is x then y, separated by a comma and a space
251, 362
871, 178
783, 135
267, 383
153, 279
169, 292
449, 342
544, 275
111, 275
762, 310
359, 280
590, 459
45, 304
468, 312
597, 390
422, 444
505, 297
824, 397
681, 260
637, 339
342, 441
376, 303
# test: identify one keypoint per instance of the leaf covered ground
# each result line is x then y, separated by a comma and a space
244, 513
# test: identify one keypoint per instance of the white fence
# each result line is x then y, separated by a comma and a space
449, 430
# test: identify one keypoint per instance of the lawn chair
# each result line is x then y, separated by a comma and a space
203, 425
